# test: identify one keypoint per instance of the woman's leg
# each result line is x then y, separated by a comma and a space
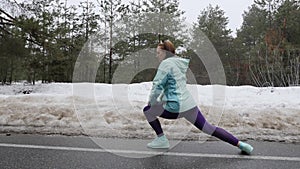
195, 117
152, 112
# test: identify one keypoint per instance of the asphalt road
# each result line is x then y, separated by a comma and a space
66, 152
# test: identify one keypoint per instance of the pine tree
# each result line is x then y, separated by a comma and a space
111, 12
266, 41
145, 25
249, 37
210, 31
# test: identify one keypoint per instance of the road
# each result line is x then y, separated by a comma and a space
69, 152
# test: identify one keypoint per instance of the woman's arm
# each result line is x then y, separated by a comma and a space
159, 84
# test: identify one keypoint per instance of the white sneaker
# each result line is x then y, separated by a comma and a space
159, 142
245, 147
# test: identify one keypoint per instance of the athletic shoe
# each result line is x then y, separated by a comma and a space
159, 142
247, 148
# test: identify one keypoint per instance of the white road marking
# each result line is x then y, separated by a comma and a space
275, 158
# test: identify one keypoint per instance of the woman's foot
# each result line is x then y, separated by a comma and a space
159, 142
247, 148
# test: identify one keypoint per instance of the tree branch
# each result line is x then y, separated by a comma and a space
5, 23
5, 30
8, 15
2, 18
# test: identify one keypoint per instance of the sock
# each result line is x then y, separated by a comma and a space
156, 127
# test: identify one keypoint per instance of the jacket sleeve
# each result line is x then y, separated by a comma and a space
159, 83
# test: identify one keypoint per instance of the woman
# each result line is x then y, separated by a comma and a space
170, 99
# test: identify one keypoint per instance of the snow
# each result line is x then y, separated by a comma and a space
105, 110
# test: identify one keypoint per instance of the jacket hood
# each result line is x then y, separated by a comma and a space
181, 63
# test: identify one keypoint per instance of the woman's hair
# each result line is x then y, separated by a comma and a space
168, 46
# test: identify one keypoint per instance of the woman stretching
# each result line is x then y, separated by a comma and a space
170, 99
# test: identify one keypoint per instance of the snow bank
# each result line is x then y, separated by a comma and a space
116, 111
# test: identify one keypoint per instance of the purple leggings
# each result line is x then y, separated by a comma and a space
193, 115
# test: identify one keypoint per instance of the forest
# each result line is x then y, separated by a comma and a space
46, 40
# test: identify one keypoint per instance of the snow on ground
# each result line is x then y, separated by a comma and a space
105, 110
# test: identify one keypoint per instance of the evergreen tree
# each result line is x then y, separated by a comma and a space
111, 12
146, 24
213, 23
265, 41
249, 37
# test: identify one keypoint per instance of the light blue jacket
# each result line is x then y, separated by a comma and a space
169, 86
